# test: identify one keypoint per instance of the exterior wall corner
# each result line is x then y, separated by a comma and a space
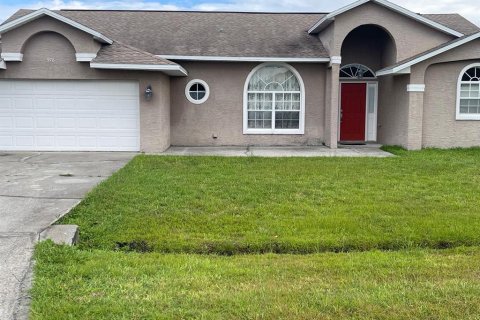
332, 106
155, 116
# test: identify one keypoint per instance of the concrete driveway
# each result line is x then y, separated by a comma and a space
35, 190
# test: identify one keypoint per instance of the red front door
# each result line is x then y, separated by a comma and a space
353, 112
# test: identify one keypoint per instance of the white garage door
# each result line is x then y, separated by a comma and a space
69, 115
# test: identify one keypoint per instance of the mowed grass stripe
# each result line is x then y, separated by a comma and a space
425, 199
417, 284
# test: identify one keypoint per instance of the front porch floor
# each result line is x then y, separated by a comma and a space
292, 151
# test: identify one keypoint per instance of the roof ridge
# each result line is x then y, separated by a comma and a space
194, 11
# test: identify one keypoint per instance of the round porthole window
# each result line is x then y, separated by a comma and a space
197, 91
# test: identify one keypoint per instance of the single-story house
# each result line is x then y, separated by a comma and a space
96, 80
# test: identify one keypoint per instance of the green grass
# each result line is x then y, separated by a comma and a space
427, 199
419, 284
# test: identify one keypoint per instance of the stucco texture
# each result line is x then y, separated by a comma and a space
50, 55
16, 39
393, 110
410, 37
440, 75
440, 127
221, 116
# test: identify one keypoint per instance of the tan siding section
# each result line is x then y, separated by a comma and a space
222, 114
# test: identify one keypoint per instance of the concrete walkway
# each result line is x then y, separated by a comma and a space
320, 151
35, 190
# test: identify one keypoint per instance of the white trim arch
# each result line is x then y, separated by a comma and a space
273, 130
467, 116
356, 71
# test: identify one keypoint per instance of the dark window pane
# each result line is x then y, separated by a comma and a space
197, 91
287, 120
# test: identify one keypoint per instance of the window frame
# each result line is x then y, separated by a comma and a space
193, 82
465, 116
358, 66
270, 131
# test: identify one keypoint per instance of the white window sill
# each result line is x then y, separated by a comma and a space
468, 117
273, 132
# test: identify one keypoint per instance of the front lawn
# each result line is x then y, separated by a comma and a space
93, 284
426, 199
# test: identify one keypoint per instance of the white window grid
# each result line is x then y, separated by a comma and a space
269, 103
470, 97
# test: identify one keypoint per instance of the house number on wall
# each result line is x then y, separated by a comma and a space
51, 60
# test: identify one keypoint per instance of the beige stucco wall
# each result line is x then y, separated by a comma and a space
222, 114
49, 55
410, 37
440, 128
393, 110
15, 40
440, 75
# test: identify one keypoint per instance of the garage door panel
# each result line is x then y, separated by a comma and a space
24, 122
25, 141
6, 122
45, 141
6, 140
6, 87
69, 115
44, 123
5, 104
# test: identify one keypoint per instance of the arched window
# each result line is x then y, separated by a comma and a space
468, 96
274, 101
356, 71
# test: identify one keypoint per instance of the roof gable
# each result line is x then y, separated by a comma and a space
45, 12
329, 18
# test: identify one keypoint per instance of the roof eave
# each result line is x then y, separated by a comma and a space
171, 70
320, 25
45, 12
244, 59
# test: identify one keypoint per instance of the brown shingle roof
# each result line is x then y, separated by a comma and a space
119, 53
454, 21
206, 33
227, 34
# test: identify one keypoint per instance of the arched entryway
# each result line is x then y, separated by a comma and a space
365, 50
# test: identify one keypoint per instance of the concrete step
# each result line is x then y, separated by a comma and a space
61, 234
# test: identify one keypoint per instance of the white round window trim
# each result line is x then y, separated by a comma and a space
190, 85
